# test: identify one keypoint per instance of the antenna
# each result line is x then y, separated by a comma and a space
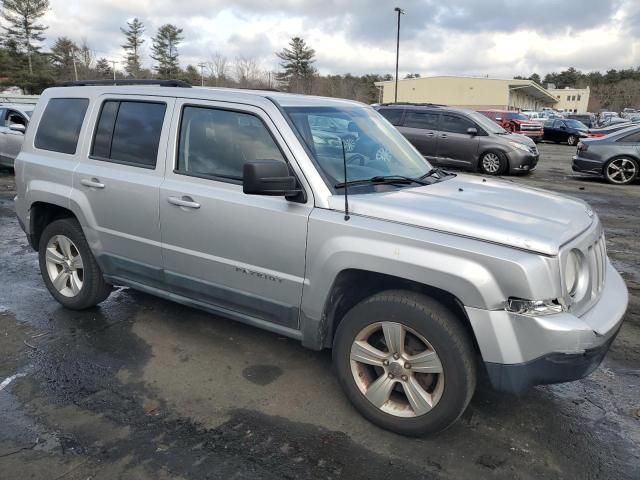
346, 187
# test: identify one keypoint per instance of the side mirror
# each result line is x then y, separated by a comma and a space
268, 177
17, 127
472, 131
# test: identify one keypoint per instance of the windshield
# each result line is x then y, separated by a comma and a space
373, 147
576, 124
487, 124
515, 116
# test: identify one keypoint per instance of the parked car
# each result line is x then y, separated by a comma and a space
14, 119
588, 119
515, 122
218, 199
462, 138
616, 157
342, 129
601, 132
565, 130
629, 112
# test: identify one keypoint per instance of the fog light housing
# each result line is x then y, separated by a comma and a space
533, 308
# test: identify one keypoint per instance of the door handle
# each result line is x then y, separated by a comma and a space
430, 134
186, 202
93, 183
444, 136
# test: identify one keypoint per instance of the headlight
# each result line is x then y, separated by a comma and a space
519, 146
576, 275
533, 307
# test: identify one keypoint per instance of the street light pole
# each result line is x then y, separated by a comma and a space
400, 12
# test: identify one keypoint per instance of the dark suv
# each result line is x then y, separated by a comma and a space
461, 138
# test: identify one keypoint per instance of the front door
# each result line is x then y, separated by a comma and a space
421, 129
120, 175
456, 147
243, 255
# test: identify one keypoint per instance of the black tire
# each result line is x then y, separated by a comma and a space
503, 166
444, 332
572, 140
632, 170
94, 288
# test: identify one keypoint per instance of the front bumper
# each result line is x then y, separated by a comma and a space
521, 161
521, 351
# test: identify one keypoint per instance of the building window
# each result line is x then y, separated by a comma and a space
573, 98
578, 97
568, 98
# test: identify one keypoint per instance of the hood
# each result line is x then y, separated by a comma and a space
494, 211
525, 122
524, 139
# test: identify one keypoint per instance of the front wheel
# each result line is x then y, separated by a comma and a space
405, 362
493, 163
621, 171
572, 140
68, 267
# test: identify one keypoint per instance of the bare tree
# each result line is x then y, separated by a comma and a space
247, 72
218, 67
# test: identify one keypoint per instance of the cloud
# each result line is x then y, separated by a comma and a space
488, 37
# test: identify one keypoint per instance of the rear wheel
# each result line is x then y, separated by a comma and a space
405, 362
68, 267
493, 163
572, 140
621, 171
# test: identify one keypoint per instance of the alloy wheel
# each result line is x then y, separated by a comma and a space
621, 171
572, 140
64, 266
349, 144
397, 369
491, 163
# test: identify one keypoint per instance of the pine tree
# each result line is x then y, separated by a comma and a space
103, 69
297, 64
133, 42
165, 52
24, 29
63, 56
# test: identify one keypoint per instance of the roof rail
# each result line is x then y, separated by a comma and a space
90, 83
413, 104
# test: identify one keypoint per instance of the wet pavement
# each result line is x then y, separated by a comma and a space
143, 388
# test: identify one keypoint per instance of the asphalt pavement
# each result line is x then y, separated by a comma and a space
142, 388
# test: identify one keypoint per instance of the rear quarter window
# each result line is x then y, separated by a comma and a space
60, 125
393, 115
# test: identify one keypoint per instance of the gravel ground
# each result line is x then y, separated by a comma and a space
141, 388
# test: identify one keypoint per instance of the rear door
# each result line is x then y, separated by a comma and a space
455, 146
120, 175
421, 129
241, 254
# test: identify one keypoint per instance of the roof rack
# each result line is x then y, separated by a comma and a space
413, 104
91, 83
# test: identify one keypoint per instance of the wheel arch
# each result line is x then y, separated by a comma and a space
351, 286
41, 214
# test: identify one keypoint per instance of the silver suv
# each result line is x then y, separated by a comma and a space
230, 201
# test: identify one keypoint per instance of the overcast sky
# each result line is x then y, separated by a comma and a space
500, 38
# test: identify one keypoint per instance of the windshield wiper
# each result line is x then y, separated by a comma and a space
434, 171
381, 180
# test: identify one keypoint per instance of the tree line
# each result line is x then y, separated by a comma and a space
25, 64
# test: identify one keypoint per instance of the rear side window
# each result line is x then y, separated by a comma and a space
60, 125
216, 143
633, 138
425, 120
393, 115
453, 124
129, 132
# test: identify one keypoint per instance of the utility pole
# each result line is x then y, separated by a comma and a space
113, 65
75, 68
202, 65
400, 12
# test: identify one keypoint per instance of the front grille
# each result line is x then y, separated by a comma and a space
530, 128
597, 259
